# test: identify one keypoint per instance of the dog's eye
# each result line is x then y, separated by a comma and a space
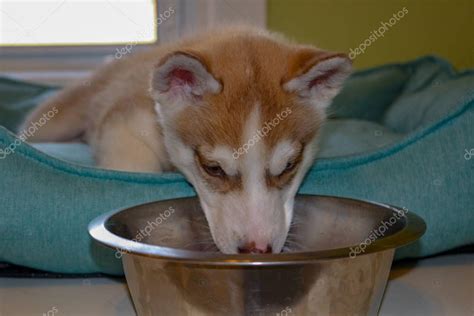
289, 166
214, 170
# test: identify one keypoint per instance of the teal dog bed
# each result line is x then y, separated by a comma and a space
398, 134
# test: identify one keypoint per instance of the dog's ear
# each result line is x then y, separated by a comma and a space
182, 76
316, 76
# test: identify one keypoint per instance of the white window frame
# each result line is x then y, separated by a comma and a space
65, 65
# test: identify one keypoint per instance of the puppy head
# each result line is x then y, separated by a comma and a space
240, 118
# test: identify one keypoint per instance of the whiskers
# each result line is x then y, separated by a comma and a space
293, 240
206, 245
193, 234
293, 246
202, 239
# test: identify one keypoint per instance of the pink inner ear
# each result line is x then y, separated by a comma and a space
181, 77
322, 79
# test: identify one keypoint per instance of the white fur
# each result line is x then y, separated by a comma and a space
223, 155
289, 194
259, 201
282, 152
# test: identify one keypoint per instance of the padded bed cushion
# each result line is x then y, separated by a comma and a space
397, 134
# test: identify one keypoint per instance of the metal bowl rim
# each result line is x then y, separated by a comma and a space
414, 228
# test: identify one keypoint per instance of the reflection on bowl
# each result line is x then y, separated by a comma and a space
336, 261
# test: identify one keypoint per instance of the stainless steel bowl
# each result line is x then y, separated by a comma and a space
337, 262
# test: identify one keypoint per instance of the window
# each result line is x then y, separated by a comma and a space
77, 22
62, 41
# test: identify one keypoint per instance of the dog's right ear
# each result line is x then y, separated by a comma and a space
182, 77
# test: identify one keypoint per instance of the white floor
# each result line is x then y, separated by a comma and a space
436, 286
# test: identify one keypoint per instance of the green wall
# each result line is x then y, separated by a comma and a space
441, 27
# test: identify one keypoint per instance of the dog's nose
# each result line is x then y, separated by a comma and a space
252, 248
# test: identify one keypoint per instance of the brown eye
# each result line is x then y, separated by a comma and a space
214, 170
289, 166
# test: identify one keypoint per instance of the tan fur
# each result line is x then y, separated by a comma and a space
252, 68
193, 105
114, 112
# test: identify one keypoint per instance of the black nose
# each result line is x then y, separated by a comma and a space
252, 248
